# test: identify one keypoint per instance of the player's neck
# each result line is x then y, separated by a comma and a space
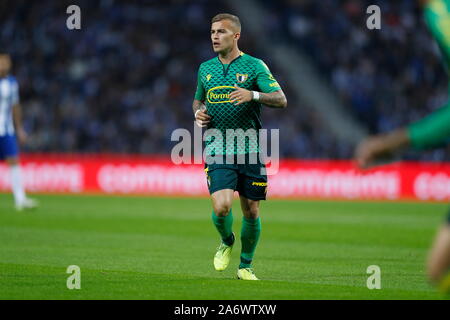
227, 57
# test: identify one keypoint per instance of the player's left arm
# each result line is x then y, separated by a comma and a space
270, 92
429, 132
18, 126
275, 99
17, 116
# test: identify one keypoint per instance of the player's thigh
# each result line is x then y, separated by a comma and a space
250, 208
9, 150
220, 178
222, 201
252, 184
222, 183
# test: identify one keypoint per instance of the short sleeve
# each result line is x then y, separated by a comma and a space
264, 78
431, 131
200, 92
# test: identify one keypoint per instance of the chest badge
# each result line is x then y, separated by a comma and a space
241, 77
208, 77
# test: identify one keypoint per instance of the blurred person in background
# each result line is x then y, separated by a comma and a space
11, 130
431, 131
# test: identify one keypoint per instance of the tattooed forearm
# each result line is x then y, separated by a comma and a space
275, 99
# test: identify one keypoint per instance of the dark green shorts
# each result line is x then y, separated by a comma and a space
243, 178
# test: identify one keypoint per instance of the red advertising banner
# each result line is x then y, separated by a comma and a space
321, 179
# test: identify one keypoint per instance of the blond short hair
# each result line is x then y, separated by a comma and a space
227, 16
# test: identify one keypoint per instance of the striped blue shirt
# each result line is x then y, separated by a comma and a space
9, 96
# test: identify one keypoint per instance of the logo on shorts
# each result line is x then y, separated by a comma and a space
259, 184
241, 77
208, 178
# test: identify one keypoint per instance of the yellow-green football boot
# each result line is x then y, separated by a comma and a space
246, 274
223, 256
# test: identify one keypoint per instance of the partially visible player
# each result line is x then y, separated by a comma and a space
10, 128
432, 131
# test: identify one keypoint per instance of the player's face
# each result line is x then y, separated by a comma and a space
5, 65
223, 36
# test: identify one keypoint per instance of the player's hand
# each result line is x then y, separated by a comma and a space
21, 135
240, 95
369, 150
202, 119
380, 146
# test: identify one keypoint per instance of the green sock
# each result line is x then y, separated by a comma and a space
251, 229
225, 227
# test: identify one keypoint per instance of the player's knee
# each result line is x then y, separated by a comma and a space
251, 213
222, 208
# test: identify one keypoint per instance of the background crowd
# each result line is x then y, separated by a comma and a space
126, 80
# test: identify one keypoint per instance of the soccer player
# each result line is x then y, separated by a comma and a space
432, 131
230, 90
10, 127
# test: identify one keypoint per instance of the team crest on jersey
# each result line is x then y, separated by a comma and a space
208, 77
241, 77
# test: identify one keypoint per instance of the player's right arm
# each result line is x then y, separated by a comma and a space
198, 107
271, 93
201, 117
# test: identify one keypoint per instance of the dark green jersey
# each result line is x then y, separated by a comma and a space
215, 83
434, 130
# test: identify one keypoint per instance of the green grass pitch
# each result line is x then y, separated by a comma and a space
162, 248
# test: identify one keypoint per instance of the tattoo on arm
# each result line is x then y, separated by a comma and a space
275, 99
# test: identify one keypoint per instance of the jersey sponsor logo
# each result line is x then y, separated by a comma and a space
274, 84
220, 94
241, 78
208, 77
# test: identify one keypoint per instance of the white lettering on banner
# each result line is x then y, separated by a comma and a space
347, 184
151, 178
429, 186
55, 177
